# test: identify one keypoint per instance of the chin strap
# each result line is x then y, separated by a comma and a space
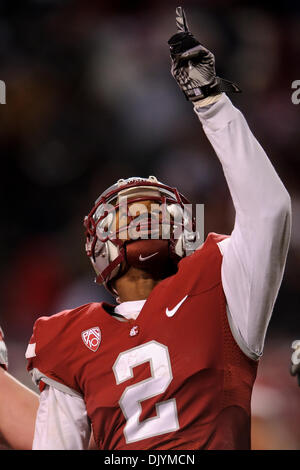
117, 261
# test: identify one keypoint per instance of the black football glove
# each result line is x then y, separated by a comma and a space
295, 360
193, 66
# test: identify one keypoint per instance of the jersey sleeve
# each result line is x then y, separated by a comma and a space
49, 354
61, 423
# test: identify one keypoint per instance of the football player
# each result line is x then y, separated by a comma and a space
173, 363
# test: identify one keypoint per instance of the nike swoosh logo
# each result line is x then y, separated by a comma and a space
171, 313
144, 258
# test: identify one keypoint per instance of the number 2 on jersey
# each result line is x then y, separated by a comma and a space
166, 419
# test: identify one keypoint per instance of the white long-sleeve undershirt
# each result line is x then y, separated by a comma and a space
62, 422
252, 266
254, 257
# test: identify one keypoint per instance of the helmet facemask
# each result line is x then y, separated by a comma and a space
138, 222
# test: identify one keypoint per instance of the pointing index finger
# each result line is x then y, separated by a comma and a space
181, 22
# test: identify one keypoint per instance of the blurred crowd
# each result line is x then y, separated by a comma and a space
90, 99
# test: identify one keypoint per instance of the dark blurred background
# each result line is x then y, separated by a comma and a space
90, 99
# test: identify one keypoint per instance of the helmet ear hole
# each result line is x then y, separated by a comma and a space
105, 226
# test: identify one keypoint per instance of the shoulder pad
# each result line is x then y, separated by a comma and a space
51, 348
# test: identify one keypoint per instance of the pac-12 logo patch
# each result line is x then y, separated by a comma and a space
92, 338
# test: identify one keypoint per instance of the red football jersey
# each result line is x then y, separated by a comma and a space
174, 378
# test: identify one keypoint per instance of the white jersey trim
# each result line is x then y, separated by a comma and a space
37, 376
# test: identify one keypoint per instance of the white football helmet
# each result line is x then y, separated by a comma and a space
162, 236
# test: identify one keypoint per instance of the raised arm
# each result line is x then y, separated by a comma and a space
254, 256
